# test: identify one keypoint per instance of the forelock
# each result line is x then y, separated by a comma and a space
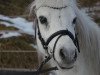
52, 3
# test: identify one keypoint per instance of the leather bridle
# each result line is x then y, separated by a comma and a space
45, 44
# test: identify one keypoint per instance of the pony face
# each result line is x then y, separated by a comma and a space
51, 20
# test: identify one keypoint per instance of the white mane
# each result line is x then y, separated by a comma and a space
89, 38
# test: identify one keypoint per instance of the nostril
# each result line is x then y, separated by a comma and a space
75, 56
62, 54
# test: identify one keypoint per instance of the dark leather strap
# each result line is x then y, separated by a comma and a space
61, 32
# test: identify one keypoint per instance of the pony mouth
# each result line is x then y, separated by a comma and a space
66, 67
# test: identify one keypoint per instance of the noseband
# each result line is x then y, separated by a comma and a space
58, 33
45, 44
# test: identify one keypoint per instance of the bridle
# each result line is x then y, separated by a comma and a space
45, 44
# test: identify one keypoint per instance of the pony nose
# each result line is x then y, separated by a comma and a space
68, 55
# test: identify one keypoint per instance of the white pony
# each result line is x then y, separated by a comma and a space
63, 16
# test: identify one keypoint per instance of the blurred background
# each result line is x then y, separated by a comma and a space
17, 42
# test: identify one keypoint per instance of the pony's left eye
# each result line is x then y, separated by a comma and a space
74, 20
43, 20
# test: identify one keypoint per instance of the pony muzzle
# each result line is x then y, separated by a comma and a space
69, 57
65, 54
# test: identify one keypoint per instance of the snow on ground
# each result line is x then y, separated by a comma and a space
7, 34
18, 22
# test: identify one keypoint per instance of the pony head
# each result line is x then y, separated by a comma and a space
56, 24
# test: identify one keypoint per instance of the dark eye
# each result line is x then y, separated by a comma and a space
43, 20
74, 20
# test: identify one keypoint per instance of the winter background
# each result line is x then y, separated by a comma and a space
17, 42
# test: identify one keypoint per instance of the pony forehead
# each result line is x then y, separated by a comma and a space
52, 3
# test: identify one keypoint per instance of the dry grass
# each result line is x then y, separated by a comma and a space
18, 60
13, 7
97, 20
26, 60
3, 27
17, 43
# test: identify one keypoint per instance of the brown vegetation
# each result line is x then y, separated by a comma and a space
87, 3
18, 60
13, 7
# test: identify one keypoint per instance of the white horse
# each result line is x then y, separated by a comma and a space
60, 21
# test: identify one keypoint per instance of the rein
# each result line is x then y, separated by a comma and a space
40, 71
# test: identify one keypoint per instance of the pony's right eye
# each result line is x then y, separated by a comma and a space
43, 20
74, 20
